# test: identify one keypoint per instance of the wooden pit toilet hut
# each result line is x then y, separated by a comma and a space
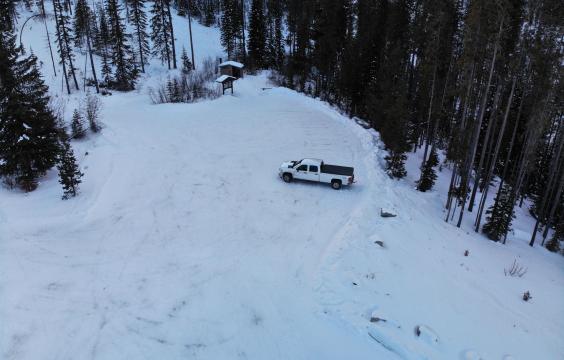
231, 68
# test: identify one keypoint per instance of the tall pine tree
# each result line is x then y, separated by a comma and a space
500, 215
81, 22
28, 131
69, 173
160, 35
62, 21
122, 54
138, 19
257, 36
232, 29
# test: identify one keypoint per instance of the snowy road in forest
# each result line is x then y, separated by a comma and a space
184, 243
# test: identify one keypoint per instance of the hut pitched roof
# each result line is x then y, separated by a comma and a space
232, 63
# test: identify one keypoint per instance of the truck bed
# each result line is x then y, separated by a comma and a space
338, 170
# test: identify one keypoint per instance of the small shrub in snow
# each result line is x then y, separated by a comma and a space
188, 87
515, 270
186, 63
527, 296
466, 252
554, 243
92, 107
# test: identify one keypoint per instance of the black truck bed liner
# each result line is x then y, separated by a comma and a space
336, 169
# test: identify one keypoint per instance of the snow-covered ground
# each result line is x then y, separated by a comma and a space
184, 243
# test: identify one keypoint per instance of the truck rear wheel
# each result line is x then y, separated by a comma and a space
287, 177
336, 184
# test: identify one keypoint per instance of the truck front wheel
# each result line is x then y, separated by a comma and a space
287, 177
336, 184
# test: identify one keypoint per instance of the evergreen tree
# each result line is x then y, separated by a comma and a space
81, 22
77, 125
103, 47
122, 54
395, 165
186, 63
274, 40
8, 15
160, 32
428, 174
500, 216
231, 29
257, 33
173, 90
138, 18
171, 29
69, 173
28, 132
62, 21
209, 13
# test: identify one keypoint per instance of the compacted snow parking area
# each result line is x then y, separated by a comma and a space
184, 243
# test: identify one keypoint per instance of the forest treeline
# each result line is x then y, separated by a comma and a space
475, 85
479, 81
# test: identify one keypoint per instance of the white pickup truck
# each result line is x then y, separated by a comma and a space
316, 170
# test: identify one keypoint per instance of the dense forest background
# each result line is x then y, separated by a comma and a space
475, 85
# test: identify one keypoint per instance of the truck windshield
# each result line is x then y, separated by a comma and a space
296, 163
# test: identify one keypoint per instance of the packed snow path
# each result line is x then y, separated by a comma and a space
184, 243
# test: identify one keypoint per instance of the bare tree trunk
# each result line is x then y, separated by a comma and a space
494, 157
551, 180
190, 30
429, 119
165, 33
243, 21
479, 170
68, 46
171, 33
560, 173
139, 42
555, 203
473, 148
92, 60
462, 125
44, 13
508, 156
61, 48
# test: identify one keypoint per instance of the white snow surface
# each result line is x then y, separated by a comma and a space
184, 243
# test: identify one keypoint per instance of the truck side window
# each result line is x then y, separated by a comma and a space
313, 168
302, 168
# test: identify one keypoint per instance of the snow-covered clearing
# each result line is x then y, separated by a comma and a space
184, 243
